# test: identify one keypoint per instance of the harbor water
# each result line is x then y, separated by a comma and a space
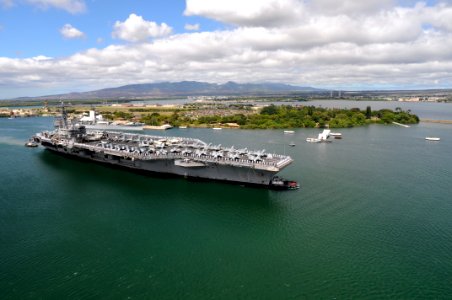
372, 220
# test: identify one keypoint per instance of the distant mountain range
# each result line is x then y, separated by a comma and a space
182, 89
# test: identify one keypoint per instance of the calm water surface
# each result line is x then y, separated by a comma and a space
372, 220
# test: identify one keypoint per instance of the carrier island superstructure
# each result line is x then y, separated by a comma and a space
188, 157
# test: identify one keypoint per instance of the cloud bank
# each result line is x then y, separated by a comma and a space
373, 44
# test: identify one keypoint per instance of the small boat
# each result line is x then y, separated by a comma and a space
217, 128
289, 132
313, 140
335, 134
434, 139
183, 127
159, 127
31, 143
292, 144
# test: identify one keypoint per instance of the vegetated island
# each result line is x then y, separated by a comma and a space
239, 115
268, 117
287, 116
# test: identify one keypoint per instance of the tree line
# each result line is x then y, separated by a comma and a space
286, 116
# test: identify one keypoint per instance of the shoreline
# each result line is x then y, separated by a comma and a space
436, 121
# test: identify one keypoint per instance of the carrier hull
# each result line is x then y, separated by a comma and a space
210, 171
187, 157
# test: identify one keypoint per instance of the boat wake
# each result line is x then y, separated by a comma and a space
6, 140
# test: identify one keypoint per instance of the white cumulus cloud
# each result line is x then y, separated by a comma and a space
136, 29
70, 32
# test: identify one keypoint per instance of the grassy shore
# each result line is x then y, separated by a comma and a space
237, 115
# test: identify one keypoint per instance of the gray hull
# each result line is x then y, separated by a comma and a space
173, 166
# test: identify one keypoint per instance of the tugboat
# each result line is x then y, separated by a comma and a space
279, 183
31, 143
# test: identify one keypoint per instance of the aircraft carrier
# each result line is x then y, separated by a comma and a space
187, 157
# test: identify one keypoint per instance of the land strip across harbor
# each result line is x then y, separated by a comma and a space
436, 121
230, 115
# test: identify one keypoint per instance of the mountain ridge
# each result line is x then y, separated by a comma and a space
182, 89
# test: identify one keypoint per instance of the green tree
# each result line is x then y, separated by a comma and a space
368, 112
269, 110
152, 119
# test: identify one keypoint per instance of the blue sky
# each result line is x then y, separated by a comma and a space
29, 30
60, 46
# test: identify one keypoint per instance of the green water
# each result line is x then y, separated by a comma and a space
373, 219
